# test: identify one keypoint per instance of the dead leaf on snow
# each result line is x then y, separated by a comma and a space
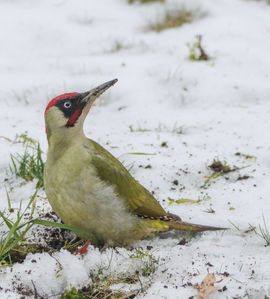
207, 286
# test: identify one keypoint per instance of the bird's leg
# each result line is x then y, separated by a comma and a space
84, 249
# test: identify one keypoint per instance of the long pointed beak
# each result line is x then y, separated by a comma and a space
94, 93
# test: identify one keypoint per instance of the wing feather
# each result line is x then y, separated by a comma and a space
138, 199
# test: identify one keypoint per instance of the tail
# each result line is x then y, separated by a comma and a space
191, 227
170, 221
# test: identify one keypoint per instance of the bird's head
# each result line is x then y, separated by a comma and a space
66, 113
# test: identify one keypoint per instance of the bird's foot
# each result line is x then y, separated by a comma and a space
84, 249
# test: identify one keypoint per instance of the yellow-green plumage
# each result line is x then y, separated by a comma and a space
89, 188
138, 199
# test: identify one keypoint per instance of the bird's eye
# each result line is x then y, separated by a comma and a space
67, 104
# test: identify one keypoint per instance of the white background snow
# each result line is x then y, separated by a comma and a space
222, 106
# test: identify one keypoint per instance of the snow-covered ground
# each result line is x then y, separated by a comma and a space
221, 107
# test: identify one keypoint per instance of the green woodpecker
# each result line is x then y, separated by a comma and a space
89, 188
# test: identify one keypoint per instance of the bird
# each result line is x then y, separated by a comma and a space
90, 189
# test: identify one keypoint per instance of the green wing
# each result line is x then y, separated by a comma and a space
138, 199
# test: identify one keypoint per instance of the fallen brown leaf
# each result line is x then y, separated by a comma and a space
207, 286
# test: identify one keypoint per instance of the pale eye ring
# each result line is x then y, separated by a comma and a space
67, 104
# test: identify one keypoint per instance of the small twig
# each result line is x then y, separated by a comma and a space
203, 55
131, 295
141, 284
36, 294
108, 295
59, 264
234, 225
110, 262
7, 139
250, 229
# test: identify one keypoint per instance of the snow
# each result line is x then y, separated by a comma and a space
221, 106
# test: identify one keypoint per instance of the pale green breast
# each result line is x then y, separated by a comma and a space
68, 180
